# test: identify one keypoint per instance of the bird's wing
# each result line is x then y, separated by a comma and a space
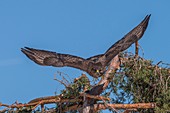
130, 38
48, 58
95, 58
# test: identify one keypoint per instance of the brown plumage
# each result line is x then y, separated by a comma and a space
96, 65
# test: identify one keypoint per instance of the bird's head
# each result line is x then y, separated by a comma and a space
96, 70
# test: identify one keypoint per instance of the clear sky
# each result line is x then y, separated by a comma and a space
78, 27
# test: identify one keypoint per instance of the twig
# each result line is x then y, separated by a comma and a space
136, 49
166, 86
60, 73
95, 97
109, 106
61, 81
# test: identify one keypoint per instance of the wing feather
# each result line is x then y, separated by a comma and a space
48, 58
130, 38
95, 58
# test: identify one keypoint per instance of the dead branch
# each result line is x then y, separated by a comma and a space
136, 49
61, 81
95, 97
126, 106
57, 97
102, 85
97, 107
106, 104
114, 65
51, 100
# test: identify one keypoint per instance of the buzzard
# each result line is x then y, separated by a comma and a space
95, 65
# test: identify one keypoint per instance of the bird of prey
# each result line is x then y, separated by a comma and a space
95, 65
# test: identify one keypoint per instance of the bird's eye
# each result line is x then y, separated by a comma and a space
98, 71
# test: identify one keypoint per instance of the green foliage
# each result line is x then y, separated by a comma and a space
75, 88
139, 80
72, 92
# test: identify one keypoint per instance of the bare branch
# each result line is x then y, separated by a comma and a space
97, 107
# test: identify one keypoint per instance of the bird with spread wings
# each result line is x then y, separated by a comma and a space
95, 65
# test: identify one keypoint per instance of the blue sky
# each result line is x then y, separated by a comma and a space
82, 28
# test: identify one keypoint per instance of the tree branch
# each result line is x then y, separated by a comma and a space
102, 85
97, 107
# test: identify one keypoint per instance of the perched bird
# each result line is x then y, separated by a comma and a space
95, 65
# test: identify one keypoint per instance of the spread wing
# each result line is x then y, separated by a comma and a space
48, 58
90, 65
130, 38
